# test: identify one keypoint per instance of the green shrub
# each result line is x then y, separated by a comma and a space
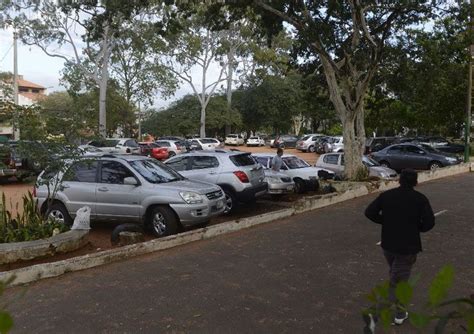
30, 225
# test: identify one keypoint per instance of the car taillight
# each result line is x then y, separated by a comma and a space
178, 147
242, 176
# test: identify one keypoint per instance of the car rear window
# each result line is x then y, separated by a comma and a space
305, 138
163, 143
232, 136
242, 160
208, 141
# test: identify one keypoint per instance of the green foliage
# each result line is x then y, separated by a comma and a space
6, 320
437, 309
29, 225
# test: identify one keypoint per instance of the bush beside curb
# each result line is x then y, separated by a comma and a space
39, 271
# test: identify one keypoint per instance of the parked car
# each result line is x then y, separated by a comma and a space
335, 162
255, 141
234, 139
237, 173
334, 144
8, 162
174, 147
133, 189
116, 145
441, 144
415, 156
278, 183
285, 141
320, 144
183, 142
154, 150
205, 144
302, 173
307, 143
374, 144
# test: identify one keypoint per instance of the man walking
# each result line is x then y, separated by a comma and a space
403, 213
277, 161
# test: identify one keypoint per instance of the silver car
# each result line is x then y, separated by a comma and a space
133, 189
237, 173
335, 162
307, 143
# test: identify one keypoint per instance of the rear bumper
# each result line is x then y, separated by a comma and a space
8, 172
249, 194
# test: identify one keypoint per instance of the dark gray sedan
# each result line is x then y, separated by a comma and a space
415, 156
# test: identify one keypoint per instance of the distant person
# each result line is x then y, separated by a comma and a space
403, 213
277, 161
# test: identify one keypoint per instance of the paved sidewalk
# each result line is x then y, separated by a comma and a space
306, 274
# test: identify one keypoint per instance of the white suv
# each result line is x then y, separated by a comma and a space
234, 139
237, 173
133, 189
117, 145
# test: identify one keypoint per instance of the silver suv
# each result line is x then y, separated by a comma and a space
237, 173
134, 189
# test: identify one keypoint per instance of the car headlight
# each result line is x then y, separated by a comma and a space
191, 197
451, 159
273, 179
384, 175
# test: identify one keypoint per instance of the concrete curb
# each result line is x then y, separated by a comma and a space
40, 271
46, 270
27, 250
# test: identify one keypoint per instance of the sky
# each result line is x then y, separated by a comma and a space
37, 67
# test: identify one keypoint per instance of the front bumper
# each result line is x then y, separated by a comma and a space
281, 188
191, 214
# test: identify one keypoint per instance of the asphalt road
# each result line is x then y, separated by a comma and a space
306, 274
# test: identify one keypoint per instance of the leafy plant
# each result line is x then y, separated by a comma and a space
437, 308
29, 225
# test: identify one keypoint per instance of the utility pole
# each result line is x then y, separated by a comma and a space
16, 129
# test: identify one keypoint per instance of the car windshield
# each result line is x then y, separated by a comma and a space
208, 141
369, 162
253, 138
155, 172
429, 148
295, 162
111, 143
305, 138
232, 136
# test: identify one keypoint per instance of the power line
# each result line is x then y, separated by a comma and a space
6, 54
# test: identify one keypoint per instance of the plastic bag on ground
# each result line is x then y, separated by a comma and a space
82, 220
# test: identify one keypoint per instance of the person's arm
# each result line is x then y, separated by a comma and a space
427, 221
373, 211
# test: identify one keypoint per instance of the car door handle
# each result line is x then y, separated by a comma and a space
104, 189
64, 186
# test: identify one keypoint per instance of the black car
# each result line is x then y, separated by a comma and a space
415, 156
285, 141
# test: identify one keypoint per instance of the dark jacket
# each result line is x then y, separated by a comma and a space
403, 213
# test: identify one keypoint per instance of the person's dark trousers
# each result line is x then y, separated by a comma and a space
400, 270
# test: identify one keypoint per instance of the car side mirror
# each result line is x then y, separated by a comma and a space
131, 181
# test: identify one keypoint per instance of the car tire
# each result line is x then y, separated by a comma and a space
230, 201
162, 221
434, 165
300, 186
59, 212
311, 149
385, 164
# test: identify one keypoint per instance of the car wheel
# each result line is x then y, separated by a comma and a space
300, 186
171, 154
385, 164
230, 201
163, 221
311, 149
435, 165
58, 212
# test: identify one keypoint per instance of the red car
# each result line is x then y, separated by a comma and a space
154, 150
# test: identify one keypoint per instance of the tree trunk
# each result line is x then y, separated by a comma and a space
230, 66
202, 129
103, 81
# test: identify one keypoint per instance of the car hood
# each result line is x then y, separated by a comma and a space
189, 185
